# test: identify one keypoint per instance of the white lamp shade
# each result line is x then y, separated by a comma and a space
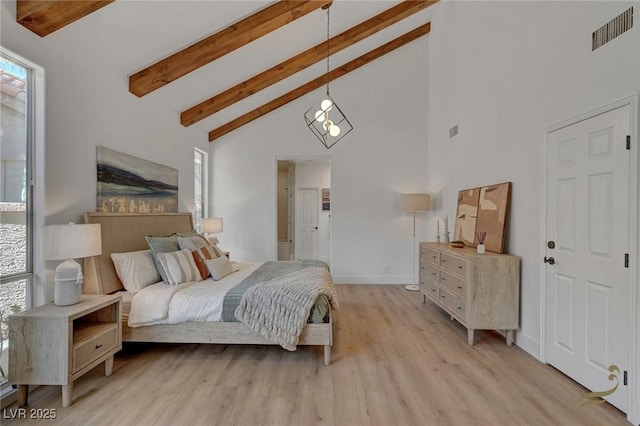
60, 242
212, 225
415, 202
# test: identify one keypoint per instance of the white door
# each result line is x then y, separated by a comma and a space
307, 224
587, 283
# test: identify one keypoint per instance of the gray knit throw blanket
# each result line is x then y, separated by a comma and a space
278, 309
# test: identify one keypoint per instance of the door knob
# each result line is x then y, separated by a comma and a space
549, 260
551, 244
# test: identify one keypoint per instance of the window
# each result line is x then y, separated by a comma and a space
16, 195
200, 161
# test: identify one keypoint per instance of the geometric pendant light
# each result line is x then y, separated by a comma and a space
324, 118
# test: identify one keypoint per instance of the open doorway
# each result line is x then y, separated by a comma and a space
303, 209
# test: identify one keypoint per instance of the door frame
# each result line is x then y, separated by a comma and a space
634, 248
296, 160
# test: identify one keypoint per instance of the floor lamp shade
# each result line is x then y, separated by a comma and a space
415, 203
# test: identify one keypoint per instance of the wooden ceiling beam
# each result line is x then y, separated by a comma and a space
219, 44
46, 16
320, 81
301, 61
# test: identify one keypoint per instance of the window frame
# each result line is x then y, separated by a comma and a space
204, 186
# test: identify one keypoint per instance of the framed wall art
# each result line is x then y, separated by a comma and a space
466, 216
128, 184
483, 209
493, 214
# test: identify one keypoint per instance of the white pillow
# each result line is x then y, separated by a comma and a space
219, 267
135, 269
179, 266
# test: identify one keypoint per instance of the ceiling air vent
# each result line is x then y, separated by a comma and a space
612, 29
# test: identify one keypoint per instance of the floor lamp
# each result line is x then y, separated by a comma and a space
412, 203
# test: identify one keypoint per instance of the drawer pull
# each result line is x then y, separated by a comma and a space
444, 261
98, 346
459, 267
460, 287
460, 307
433, 289
433, 273
433, 257
442, 297
441, 278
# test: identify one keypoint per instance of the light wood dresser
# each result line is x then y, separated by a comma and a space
54, 345
481, 291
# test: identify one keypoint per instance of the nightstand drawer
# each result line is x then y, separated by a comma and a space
453, 264
428, 270
454, 304
89, 350
429, 255
453, 284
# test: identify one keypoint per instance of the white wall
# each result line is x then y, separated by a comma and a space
88, 104
384, 155
505, 71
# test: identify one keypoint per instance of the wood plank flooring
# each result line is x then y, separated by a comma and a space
396, 361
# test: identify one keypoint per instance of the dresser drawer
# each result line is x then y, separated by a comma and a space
429, 255
430, 271
453, 264
429, 287
454, 284
89, 350
454, 304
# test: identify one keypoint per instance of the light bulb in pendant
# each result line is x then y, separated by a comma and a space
326, 105
320, 116
334, 130
327, 125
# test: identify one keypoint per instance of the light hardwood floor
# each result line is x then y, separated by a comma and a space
395, 362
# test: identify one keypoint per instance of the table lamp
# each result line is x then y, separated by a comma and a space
212, 225
69, 242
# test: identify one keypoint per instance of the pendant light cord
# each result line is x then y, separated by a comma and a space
328, 54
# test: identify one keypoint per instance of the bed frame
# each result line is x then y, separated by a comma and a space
124, 232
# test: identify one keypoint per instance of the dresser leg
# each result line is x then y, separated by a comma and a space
67, 390
470, 336
424, 299
108, 366
23, 395
510, 337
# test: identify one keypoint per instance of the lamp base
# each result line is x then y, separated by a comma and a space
412, 287
68, 283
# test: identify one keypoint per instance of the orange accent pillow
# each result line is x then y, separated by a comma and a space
201, 256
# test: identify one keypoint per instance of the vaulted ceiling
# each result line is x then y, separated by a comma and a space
361, 32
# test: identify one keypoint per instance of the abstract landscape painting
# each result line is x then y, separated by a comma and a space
128, 184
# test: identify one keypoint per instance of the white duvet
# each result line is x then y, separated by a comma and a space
198, 301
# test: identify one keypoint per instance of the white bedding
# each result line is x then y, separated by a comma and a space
198, 301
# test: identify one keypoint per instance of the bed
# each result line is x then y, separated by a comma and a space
125, 232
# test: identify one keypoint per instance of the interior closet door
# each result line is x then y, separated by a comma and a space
307, 224
587, 284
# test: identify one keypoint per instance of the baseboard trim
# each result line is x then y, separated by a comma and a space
371, 279
529, 345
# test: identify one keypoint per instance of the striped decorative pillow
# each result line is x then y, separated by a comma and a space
179, 267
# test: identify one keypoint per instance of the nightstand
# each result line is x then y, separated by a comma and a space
55, 345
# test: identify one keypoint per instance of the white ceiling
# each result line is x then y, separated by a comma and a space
132, 35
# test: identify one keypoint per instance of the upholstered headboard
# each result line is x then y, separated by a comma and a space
125, 232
